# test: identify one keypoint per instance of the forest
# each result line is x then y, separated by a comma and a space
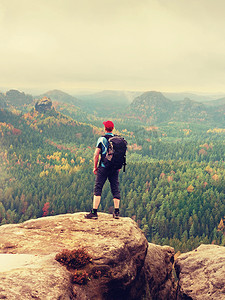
173, 187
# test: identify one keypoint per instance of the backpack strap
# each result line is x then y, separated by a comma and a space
107, 136
124, 165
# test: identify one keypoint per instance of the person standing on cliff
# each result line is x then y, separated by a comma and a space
103, 173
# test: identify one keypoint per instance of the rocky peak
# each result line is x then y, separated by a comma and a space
43, 104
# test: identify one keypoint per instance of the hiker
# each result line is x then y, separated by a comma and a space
105, 170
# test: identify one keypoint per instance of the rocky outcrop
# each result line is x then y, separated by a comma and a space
60, 96
127, 267
201, 273
158, 269
43, 105
30, 276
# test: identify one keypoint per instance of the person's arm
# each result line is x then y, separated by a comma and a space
96, 157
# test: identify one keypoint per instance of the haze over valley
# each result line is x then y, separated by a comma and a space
173, 186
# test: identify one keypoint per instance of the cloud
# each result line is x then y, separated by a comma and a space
126, 44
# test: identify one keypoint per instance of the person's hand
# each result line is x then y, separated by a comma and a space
95, 171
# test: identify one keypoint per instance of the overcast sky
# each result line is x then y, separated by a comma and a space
163, 45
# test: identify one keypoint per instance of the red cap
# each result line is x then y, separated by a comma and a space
108, 124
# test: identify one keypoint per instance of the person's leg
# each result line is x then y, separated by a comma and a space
116, 203
114, 184
99, 183
96, 201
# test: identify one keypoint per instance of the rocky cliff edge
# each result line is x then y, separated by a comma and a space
123, 266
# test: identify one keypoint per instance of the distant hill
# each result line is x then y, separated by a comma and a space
51, 124
57, 95
2, 101
192, 96
16, 98
217, 102
152, 107
189, 110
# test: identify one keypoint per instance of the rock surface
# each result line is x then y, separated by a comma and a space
158, 270
43, 105
28, 276
201, 273
130, 267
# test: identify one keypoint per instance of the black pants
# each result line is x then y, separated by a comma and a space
112, 175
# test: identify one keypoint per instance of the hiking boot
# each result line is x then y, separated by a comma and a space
116, 214
91, 215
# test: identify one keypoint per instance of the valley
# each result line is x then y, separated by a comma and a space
174, 184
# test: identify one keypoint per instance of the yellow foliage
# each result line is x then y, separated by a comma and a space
190, 189
76, 168
209, 170
187, 131
58, 169
82, 160
55, 156
221, 226
65, 167
215, 177
216, 130
42, 174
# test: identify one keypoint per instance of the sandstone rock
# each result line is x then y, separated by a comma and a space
28, 276
43, 105
118, 249
201, 273
158, 269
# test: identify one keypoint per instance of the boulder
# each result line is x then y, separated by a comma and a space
43, 105
158, 270
29, 276
127, 267
201, 273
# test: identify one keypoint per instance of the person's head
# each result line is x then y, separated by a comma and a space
109, 126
